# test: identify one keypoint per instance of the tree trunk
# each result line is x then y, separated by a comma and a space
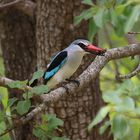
17, 37
55, 30
18, 45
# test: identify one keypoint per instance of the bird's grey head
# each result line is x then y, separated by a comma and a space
81, 42
84, 46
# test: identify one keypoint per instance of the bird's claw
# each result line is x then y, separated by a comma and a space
74, 81
66, 88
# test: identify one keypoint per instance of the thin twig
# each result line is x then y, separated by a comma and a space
10, 4
130, 75
131, 40
5, 81
8, 130
25, 6
25, 118
133, 32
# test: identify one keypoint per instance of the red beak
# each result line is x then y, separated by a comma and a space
95, 50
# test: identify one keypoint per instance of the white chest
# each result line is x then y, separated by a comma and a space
66, 71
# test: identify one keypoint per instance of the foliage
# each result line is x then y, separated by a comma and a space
47, 128
100, 116
18, 84
39, 89
123, 108
49, 125
120, 15
112, 20
38, 74
23, 106
3, 104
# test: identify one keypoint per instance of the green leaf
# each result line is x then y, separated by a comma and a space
128, 102
86, 14
119, 9
135, 129
88, 2
132, 19
127, 85
98, 18
23, 106
135, 91
137, 111
99, 117
120, 25
11, 101
126, 105
38, 74
59, 138
40, 133
39, 89
2, 127
1, 67
111, 97
18, 84
53, 122
114, 19
28, 95
104, 127
47, 128
132, 1
2, 116
120, 126
92, 29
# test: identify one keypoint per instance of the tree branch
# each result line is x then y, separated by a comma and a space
93, 70
5, 81
26, 6
133, 32
131, 40
130, 75
9, 4
84, 79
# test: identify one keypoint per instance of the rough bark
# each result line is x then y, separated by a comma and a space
55, 30
17, 36
18, 45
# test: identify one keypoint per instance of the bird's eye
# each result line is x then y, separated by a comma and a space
81, 45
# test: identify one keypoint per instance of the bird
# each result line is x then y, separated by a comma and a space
64, 64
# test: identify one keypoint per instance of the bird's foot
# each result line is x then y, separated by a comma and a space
74, 81
66, 88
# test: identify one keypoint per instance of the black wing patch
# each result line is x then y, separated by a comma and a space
55, 65
57, 60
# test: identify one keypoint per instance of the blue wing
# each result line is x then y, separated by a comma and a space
58, 61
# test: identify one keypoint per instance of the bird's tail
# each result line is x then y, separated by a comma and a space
33, 84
